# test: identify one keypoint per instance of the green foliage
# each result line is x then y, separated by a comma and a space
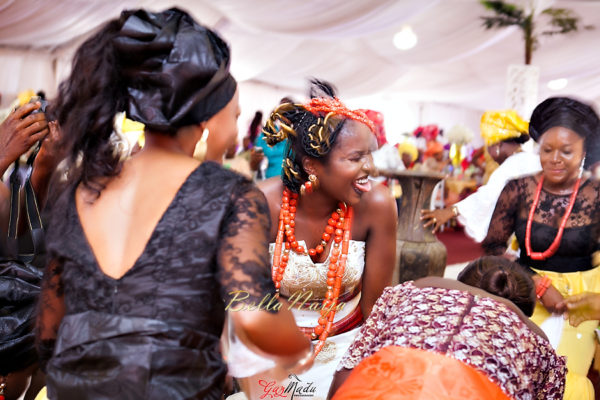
562, 21
506, 14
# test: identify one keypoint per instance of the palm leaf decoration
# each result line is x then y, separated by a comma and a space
562, 21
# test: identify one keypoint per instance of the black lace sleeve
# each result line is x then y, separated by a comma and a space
243, 255
51, 310
503, 221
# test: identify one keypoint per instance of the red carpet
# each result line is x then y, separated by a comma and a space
461, 248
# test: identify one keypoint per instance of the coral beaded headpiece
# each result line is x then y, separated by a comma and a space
328, 105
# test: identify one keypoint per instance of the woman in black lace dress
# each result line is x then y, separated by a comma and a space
145, 253
555, 216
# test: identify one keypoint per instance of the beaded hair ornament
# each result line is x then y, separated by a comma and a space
330, 113
333, 106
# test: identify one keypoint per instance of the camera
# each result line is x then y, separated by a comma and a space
43, 105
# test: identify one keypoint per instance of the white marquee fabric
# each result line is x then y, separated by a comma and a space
456, 68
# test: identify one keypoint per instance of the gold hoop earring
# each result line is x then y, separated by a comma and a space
314, 180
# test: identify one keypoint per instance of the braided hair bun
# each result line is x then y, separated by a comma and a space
503, 278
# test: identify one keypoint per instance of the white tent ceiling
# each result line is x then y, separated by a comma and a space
277, 44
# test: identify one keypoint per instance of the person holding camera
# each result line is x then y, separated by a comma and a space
20, 377
20, 131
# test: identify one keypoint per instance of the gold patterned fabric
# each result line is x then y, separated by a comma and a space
302, 274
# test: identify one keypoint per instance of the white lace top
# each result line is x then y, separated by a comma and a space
303, 274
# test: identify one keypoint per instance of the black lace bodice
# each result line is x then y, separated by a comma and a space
581, 235
211, 240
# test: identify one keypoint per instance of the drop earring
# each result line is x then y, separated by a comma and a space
2, 387
204, 136
310, 185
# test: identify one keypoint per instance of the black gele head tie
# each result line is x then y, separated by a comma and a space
176, 71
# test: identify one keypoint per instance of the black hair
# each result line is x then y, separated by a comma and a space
286, 99
86, 105
147, 64
503, 278
307, 134
255, 126
517, 140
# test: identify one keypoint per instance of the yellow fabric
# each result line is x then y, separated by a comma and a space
132, 126
42, 394
411, 149
134, 131
577, 344
490, 166
514, 243
497, 126
25, 96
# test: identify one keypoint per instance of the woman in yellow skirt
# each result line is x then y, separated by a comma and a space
555, 216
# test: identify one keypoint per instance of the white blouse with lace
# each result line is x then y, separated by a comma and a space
302, 275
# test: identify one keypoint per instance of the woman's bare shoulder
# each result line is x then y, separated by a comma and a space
272, 188
379, 201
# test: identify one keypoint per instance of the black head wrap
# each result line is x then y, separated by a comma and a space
19, 290
175, 70
571, 114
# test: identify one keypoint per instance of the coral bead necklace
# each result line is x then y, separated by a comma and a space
339, 228
534, 255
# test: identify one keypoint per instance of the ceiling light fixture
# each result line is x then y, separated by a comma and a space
405, 39
557, 84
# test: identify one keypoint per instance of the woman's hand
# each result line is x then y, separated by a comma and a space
19, 131
256, 157
552, 300
436, 218
51, 152
582, 307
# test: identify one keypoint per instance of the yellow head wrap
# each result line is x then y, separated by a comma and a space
497, 126
407, 147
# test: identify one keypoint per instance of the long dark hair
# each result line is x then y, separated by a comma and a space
255, 126
503, 278
86, 105
166, 70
